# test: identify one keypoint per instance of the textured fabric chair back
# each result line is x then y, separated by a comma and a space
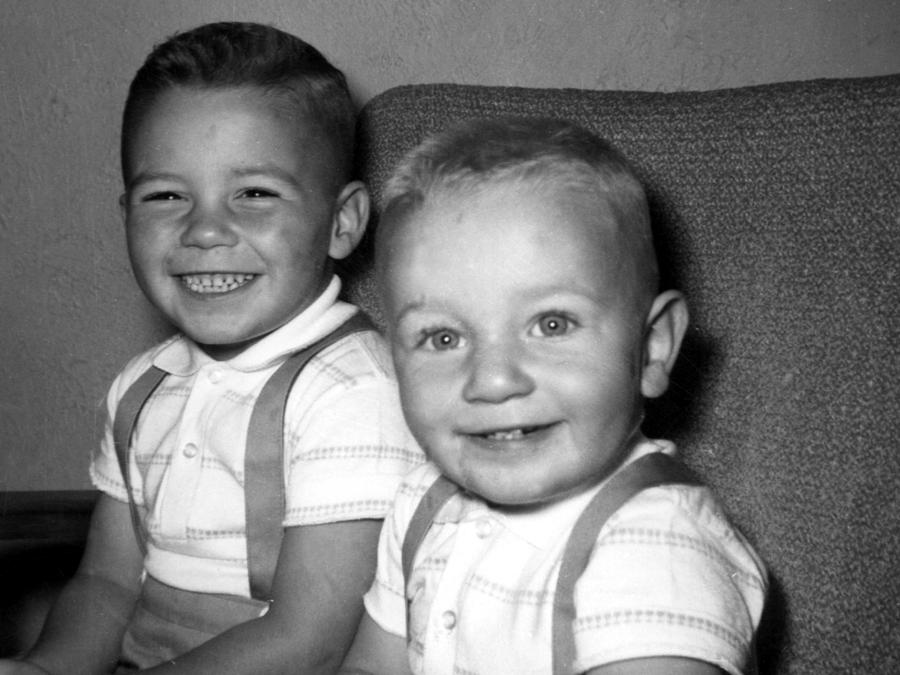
777, 211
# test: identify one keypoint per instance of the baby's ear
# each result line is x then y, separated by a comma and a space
351, 215
666, 323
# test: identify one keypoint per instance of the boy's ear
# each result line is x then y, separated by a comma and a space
666, 324
351, 215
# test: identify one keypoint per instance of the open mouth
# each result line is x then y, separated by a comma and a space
223, 282
513, 434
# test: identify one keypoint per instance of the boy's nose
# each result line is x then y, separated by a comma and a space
495, 374
207, 227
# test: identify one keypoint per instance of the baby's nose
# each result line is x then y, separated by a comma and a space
495, 374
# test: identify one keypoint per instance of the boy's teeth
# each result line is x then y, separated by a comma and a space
215, 283
506, 435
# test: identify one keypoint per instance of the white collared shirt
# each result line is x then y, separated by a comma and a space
346, 444
668, 576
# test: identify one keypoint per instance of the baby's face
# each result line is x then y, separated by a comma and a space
517, 340
228, 215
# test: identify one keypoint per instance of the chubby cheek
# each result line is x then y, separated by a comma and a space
426, 397
419, 398
146, 249
147, 272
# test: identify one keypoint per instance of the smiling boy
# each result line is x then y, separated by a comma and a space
520, 288
237, 525
229, 211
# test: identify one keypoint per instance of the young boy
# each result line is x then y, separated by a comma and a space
520, 287
236, 158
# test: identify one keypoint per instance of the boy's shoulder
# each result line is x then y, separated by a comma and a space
412, 489
417, 482
137, 365
358, 365
360, 354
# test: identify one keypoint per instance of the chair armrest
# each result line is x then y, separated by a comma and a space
60, 516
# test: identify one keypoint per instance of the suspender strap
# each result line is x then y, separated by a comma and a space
434, 498
264, 454
432, 501
123, 427
648, 471
264, 498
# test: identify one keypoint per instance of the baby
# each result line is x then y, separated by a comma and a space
257, 451
546, 534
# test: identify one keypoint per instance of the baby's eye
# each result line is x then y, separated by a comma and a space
257, 193
441, 340
552, 325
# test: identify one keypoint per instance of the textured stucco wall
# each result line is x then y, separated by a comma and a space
70, 314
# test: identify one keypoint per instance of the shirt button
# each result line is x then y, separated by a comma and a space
215, 376
483, 528
190, 450
448, 619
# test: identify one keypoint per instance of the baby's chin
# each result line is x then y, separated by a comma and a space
507, 494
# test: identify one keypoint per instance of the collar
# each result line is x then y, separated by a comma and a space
542, 526
182, 356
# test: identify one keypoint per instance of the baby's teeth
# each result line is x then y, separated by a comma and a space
215, 283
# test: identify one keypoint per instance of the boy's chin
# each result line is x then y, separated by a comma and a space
220, 342
222, 348
224, 352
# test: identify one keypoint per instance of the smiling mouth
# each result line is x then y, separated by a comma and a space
513, 434
216, 283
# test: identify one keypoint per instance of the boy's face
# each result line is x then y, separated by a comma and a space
229, 215
518, 340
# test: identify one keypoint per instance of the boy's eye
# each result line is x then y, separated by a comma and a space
552, 325
160, 197
441, 340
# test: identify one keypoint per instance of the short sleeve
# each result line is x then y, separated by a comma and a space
349, 446
105, 473
385, 601
670, 577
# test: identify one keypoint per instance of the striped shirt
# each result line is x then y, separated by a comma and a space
346, 445
668, 577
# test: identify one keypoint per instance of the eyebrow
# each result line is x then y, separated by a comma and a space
409, 308
266, 170
147, 177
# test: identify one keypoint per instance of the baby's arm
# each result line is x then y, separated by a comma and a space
663, 665
380, 645
376, 652
83, 632
322, 573
672, 588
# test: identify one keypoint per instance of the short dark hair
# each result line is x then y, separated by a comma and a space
557, 154
239, 54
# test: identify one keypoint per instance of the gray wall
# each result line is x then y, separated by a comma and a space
70, 313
